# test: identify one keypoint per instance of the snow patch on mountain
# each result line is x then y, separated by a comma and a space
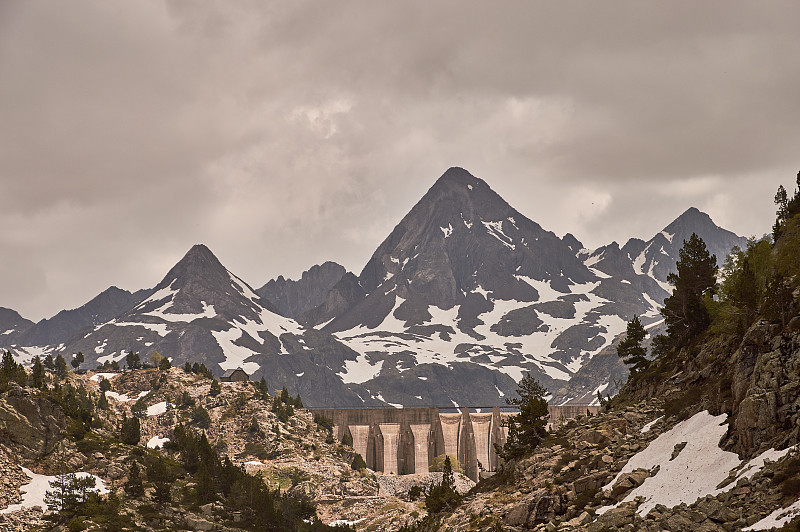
235, 354
496, 230
208, 312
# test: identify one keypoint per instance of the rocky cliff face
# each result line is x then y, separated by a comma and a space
293, 299
30, 426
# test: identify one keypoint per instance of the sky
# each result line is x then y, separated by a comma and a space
285, 134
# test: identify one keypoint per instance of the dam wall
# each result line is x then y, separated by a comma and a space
406, 440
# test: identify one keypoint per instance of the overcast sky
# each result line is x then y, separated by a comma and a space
284, 134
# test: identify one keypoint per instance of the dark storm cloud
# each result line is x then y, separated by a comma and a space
286, 134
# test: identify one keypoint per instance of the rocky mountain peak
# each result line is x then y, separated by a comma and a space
295, 298
657, 257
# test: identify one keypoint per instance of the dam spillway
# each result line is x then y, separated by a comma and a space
406, 440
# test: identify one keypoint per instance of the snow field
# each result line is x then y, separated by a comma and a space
697, 469
33, 492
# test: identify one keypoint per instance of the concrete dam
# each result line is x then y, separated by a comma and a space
406, 440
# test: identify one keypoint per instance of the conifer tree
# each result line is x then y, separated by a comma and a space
630, 350
77, 360
49, 363
130, 432
60, 367
529, 425
132, 360
102, 403
37, 373
133, 487
685, 313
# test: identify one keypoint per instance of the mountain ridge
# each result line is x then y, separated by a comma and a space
464, 289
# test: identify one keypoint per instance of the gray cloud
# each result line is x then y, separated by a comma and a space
286, 134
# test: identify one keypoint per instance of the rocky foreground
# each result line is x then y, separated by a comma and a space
292, 453
577, 481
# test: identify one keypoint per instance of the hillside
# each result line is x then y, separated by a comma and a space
66, 426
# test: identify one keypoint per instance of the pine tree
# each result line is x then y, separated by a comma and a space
132, 360
60, 367
130, 432
630, 350
444, 495
531, 421
49, 363
37, 373
685, 313
164, 364
157, 474
215, 389
77, 360
205, 488
133, 487
102, 403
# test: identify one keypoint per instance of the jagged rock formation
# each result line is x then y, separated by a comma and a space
465, 280
657, 256
295, 298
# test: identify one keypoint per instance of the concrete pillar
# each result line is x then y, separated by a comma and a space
421, 458
495, 437
375, 454
466, 446
360, 435
436, 438
482, 429
451, 427
391, 444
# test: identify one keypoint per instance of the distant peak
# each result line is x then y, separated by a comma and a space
199, 256
692, 215
199, 249
457, 176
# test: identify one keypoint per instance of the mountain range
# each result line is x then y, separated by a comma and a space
462, 298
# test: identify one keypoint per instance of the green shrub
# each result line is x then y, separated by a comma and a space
358, 463
438, 463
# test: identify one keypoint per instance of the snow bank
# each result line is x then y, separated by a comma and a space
695, 472
649, 426
33, 492
156, 441
157, 409
778, 518
699, 467
106, 376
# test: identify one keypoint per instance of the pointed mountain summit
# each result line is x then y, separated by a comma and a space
199, 310
202, 312
466, 295
658, 256
460, 243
